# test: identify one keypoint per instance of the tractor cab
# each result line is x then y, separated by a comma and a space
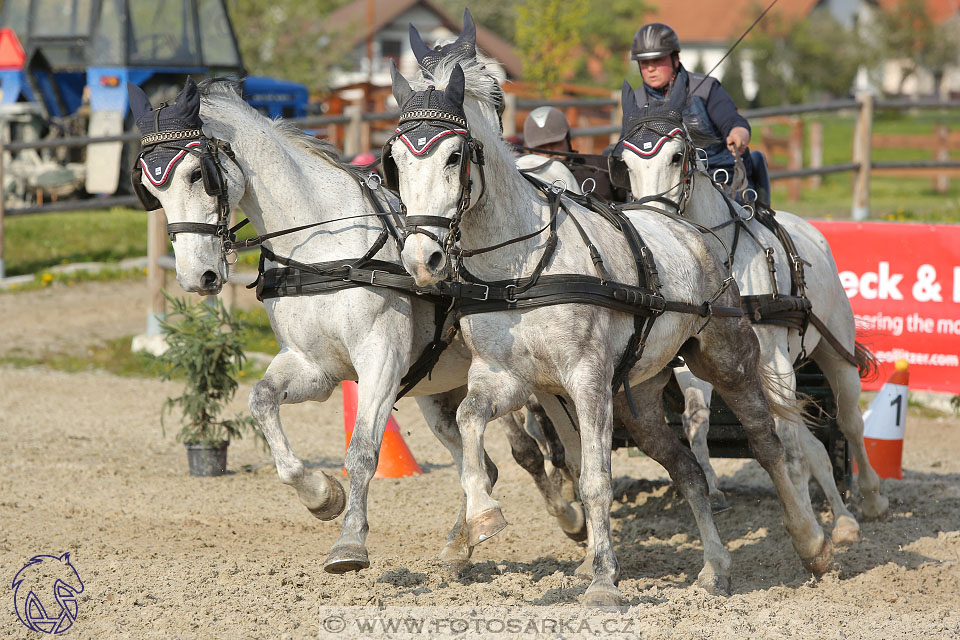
78, 56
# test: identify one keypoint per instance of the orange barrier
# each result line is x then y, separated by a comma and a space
396, 460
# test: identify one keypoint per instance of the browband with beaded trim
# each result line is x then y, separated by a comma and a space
432, 114
170, 136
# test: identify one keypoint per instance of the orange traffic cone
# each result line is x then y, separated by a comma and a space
396, 460
884, 422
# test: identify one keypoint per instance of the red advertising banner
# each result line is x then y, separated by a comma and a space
903, 281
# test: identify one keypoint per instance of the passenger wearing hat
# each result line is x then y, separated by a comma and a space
547, 128
656, 48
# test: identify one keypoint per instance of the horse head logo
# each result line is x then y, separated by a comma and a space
45, 593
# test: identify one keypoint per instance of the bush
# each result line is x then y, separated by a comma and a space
205, 347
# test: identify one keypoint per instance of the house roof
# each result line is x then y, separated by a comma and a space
351, 19
702, 21
939, 10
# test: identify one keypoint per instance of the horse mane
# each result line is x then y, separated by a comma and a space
229, 90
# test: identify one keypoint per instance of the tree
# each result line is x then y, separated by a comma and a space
288, 39
908, 29
500, 16
733, 78
548, 39
807, 60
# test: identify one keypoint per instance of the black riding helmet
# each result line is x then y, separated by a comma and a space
654, 40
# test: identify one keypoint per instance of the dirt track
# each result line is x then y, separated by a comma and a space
86, 469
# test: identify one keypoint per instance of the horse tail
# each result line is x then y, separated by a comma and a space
867, 364
784, 403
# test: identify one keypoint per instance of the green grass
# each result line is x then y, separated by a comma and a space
257, 334
47, 279
891, 197
36, 242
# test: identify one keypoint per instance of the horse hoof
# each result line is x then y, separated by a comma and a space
602, 597
335, 505
718, 502
348, 557
714, 584
573, 523
818, 564
845, 532
485, 525
453, 569
875, 509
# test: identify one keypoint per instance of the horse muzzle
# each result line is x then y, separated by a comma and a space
424, 259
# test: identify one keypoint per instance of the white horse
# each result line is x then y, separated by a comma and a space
570, 349
283, 178
664, 163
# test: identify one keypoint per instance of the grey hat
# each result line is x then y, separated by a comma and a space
545, 125
654, 40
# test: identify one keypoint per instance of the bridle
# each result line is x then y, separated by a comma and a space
619, 175
471, 151
209, 151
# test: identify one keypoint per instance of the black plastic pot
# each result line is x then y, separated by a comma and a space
207, 460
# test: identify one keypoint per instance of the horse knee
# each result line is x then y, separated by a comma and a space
263, 400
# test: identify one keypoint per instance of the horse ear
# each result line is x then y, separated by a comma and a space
188, 102
139, 102
454, 90
401, 88
468, 35
420, 49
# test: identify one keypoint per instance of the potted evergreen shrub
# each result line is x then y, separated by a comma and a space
205, 349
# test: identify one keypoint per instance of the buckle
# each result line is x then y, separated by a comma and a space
373, 275
486, 292
347, 278
507, 295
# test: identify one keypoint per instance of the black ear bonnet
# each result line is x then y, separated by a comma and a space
169, 133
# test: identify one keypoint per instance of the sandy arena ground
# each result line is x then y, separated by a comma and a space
85, 469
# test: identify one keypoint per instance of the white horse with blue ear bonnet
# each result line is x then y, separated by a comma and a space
283, 178
657, 156
456, 194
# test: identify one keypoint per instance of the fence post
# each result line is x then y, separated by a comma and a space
3, 193
509, 115
816, 152
616, 116
862, 140
941, 151
352, 138
795, 158
156, 276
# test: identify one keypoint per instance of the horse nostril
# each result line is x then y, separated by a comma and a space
435, 260
209, 279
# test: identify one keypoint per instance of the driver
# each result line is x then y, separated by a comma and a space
656, 48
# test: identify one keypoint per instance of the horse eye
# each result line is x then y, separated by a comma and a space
454, 159
677, 157
196, 175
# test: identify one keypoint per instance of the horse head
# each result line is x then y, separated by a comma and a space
186, 168
436, 166
655, 153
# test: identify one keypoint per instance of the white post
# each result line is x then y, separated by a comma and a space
156, 276
862, 140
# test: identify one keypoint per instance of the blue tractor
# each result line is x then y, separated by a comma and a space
78, 55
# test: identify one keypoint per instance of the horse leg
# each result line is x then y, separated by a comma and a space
376, 393
288, 380
696, 424
844, 380
440, 413
657, 440
527, 453
489, 396
593, 399
726, 353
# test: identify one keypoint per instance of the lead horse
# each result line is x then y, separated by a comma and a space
792, 290
457, 179
209, 153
